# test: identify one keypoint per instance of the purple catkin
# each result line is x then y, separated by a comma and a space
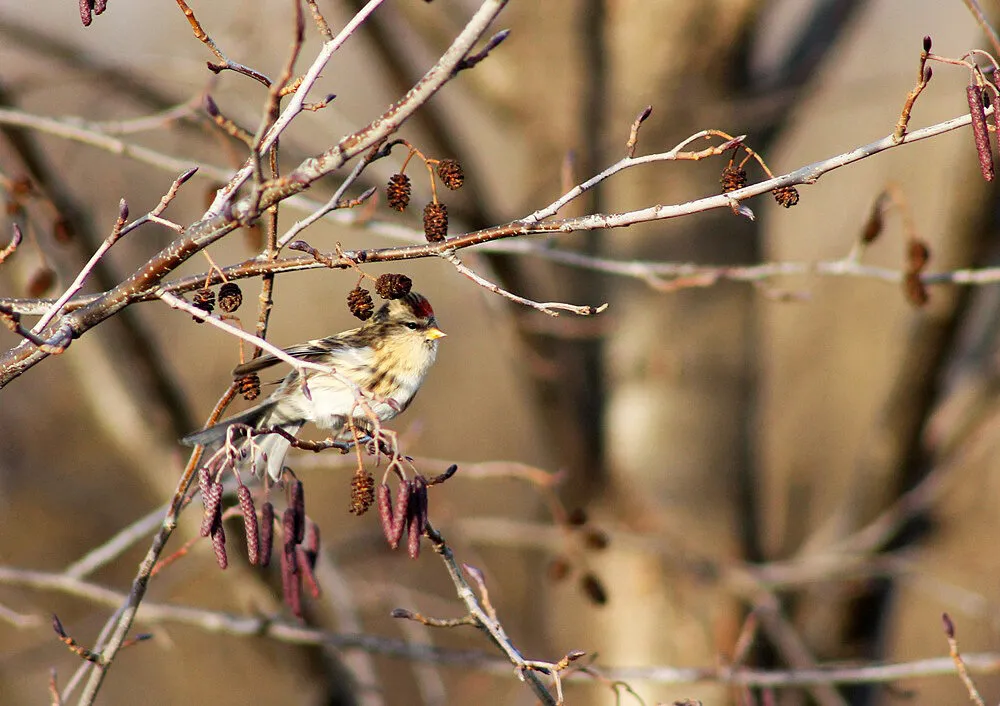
250, 525
290, 583
266, 533
219, 545
298, 505
213, 510
980, 131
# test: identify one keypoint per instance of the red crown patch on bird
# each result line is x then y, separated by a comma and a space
419, 305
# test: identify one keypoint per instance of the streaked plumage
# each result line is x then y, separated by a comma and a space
388, 356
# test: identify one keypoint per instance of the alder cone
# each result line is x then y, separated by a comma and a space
230, 297
435, 222
397, 192
360, 303
451, 174
393, 286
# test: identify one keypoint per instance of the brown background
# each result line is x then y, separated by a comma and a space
717, 425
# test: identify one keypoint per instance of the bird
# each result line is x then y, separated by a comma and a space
387, 357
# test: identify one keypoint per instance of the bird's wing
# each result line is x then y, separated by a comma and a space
303, 351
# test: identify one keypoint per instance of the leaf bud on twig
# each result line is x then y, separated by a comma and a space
594, 589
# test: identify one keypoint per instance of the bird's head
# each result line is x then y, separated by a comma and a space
410, 317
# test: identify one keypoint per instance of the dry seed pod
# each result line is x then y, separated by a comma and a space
362, 492
786, 196
732, 178
917, 255
435, 222
360, 303
266, 533
594, 589
249, 386
393, 285
980, 132
204, 299
875, 223
397, 192
450, 173
915, 290
230, 297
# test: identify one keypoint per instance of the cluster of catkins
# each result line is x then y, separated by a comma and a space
407, 515
300, 536
388, 286
735, 177
230, 298
397, 193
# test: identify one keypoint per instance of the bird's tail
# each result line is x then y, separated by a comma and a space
269, 449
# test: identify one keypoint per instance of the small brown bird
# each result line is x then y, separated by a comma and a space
387, 358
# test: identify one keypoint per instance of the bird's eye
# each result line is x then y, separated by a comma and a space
412, 325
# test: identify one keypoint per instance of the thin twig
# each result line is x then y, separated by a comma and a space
956, 657
483, 619
550, 308
220, 622
15, 240
984, 24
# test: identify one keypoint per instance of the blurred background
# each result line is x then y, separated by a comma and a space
740, 444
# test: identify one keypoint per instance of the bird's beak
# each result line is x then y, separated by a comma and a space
434, 333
